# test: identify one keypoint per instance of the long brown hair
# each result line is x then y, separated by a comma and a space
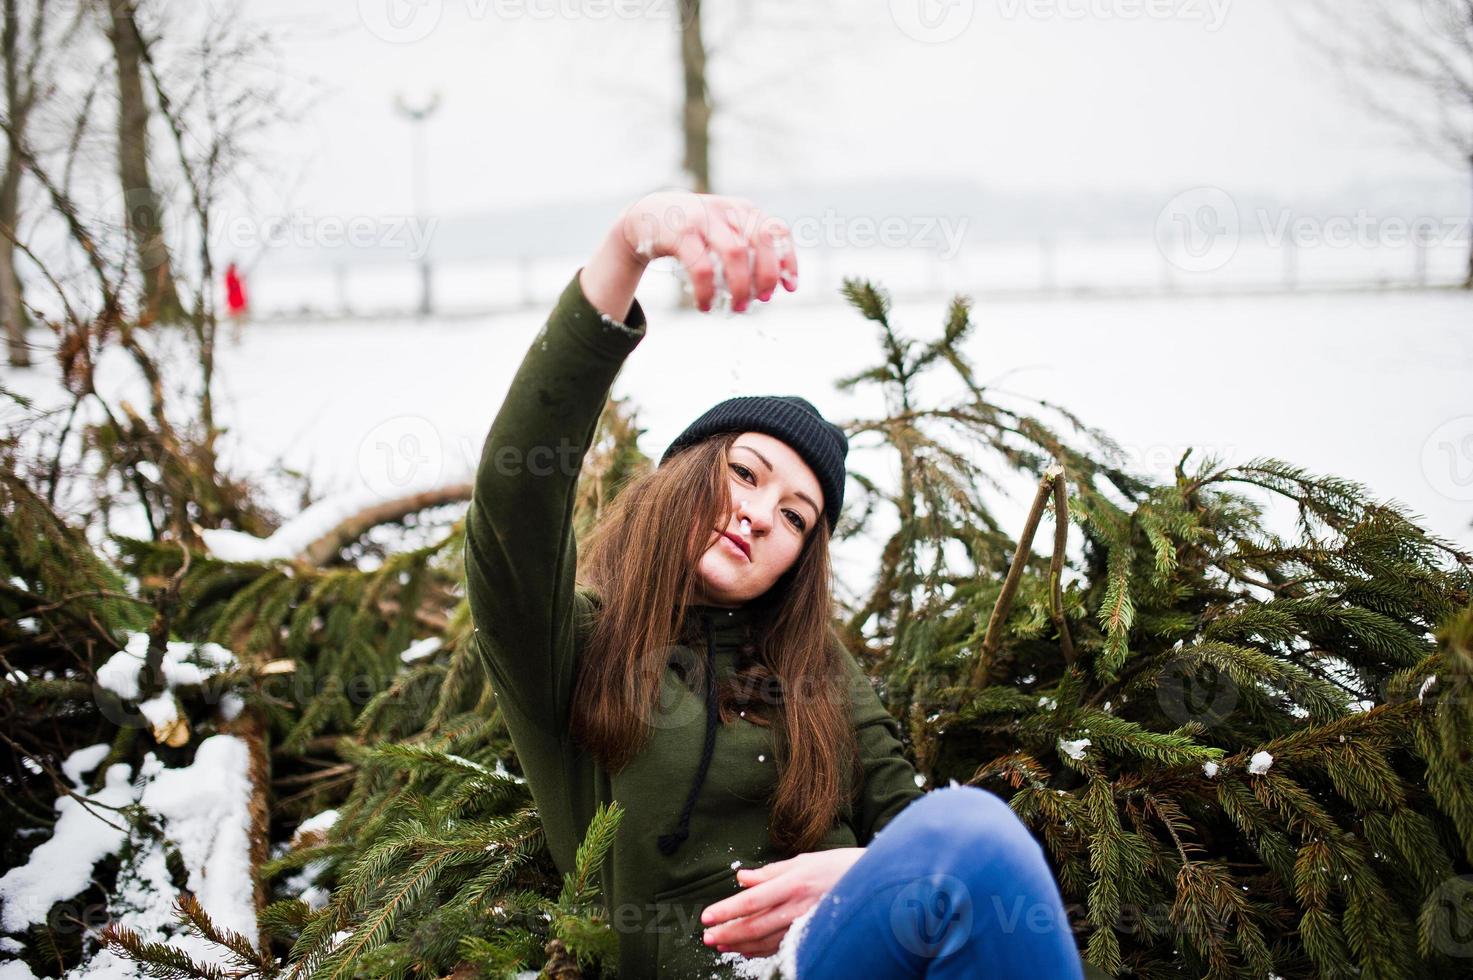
640, 561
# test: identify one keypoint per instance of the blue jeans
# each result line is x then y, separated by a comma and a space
954, 886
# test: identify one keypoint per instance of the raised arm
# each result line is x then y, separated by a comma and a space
520, 553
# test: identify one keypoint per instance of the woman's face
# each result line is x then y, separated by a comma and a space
773, 488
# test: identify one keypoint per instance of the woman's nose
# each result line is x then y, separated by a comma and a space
749, 514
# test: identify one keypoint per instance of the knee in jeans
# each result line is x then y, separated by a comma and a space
972, 818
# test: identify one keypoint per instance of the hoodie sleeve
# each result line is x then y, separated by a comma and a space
889, 778
520, 554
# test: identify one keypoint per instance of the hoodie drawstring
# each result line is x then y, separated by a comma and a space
668, 843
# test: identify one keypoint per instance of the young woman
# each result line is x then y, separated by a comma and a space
684, 665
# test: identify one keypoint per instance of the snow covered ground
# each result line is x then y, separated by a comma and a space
1371, 386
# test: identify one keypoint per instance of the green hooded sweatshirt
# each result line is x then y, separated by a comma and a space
531, 623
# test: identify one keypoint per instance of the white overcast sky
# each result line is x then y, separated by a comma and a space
569, 99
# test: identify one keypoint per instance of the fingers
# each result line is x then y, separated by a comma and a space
765, 260
751, 876
771, 240
765, 948
760, 895
725, 245
732, 251
759, 934
695, 257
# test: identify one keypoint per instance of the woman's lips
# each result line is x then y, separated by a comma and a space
738, 544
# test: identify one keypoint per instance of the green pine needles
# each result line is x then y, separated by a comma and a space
1235, 705
1246, 753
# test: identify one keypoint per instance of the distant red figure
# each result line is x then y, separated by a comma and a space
235, 297
235, 300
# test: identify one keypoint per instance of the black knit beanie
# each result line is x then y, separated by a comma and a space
822, 444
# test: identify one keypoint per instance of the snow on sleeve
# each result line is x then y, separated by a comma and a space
62, 866
1260, 763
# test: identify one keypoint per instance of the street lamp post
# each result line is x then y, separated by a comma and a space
416, 116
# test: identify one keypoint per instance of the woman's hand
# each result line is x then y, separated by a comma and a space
754, 922
707, 233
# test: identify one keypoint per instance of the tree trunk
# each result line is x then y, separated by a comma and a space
17, 106
1468, 280
141, 205
697, 113
12, 312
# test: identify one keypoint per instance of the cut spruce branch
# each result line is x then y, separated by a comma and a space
1053, 477
350, 529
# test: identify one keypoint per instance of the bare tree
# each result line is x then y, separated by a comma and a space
143, 207
21, 92
208, 83
1409, 63
696, 107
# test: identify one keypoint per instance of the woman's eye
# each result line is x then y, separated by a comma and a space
798, 521
745, 473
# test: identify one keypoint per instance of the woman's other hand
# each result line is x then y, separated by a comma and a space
754, 922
